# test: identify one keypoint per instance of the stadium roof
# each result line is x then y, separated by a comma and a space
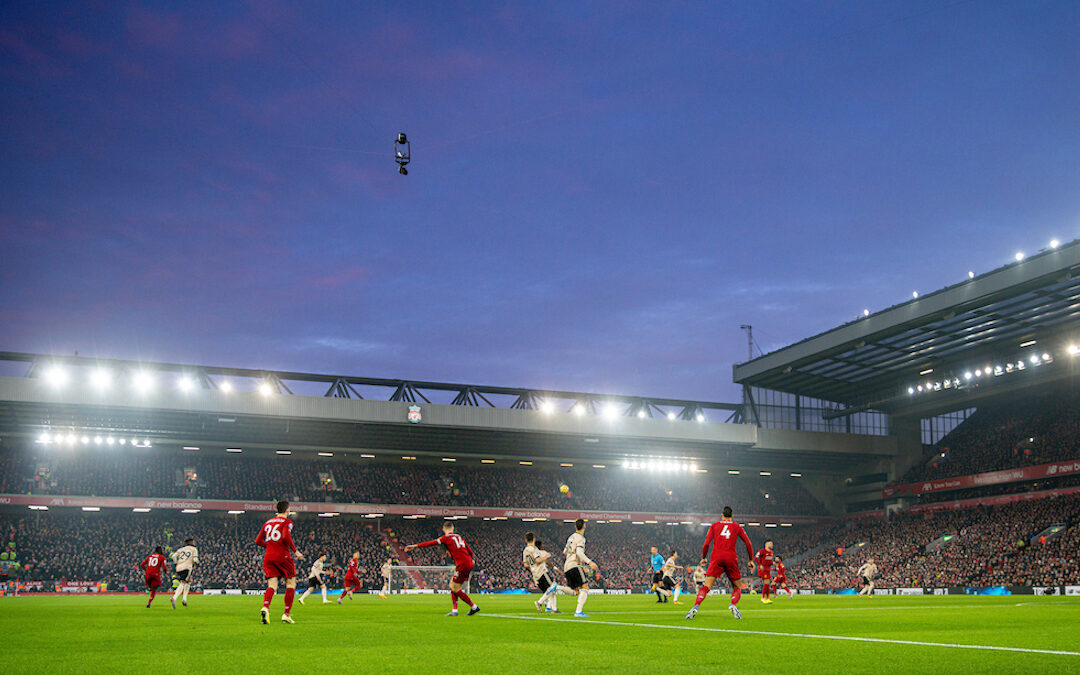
1031, 307
189, 405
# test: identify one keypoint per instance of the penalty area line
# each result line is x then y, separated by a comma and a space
812, 636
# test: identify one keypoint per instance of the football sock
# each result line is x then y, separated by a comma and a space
736, 594
324, 593
268, 595
583, 595
765, 592
187, 587
290, 593
179, 590
306, 593
677, 589
468, 601
153, 592
702, 593
552, 605
454, 599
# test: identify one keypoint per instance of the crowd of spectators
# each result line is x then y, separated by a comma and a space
145, 472
107, 547
987, 546
983, 546
1024, 432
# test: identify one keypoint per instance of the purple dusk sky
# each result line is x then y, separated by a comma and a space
600, 192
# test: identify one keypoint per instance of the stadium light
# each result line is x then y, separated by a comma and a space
85, 440
671, 416
449, 459
234, 450
110, 440
911, 390
408, 458
1054, 243
599, 466
91, 508
733, 472
98, 440
1034, 359
693, 467
235, 513
1046, 357
915, 294
225, 386
283, 452
967, 375
38, 507
101, 379
611, 411
367, 456
525, 462
146, 443
326, 454
189, 511
265, 389
566, 464
971, 275
140, 509
547, 407
191, 447
1073, 350
796, 475
700, 417
579, 409
764, 473
44, 438
123, 441
641, 413
56, 376
866, 312
1019, 256
186, 384
143, 381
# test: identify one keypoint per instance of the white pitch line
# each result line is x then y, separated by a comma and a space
776, 610
848, 638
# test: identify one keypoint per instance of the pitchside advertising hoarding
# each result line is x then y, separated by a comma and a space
980, 479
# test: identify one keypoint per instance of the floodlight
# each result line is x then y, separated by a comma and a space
186, 384
265, 389
1019, 256
56, 376
671, 415
143, 381
101, 378
1054, 243
971, 275
225, 386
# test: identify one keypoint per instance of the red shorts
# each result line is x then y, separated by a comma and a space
765, 575
279, 568
720, 567
351, 581
462, 573
780, 580
153, 582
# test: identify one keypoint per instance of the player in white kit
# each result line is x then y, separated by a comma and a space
315, 579
573, 566
185, 560
387, 569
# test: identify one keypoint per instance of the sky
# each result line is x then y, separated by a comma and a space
600, 193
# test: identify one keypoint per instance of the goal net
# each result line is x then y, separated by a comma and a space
422, 579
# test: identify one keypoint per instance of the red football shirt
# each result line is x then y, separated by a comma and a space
723, 535
353, 566
276, 537
455, 546
781, 571
153, 564
764, 560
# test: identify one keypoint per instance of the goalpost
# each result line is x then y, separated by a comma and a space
410, 579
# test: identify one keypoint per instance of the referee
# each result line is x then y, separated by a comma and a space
657, 562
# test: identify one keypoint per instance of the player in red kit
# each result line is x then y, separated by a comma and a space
764, 561
463, 564
152, 566
352, 577
276, 537
722, 536
780, 582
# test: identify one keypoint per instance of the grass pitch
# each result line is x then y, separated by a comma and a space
222, 634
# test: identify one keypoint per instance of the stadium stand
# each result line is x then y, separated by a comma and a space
1022, 432
993, 545
144, 473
